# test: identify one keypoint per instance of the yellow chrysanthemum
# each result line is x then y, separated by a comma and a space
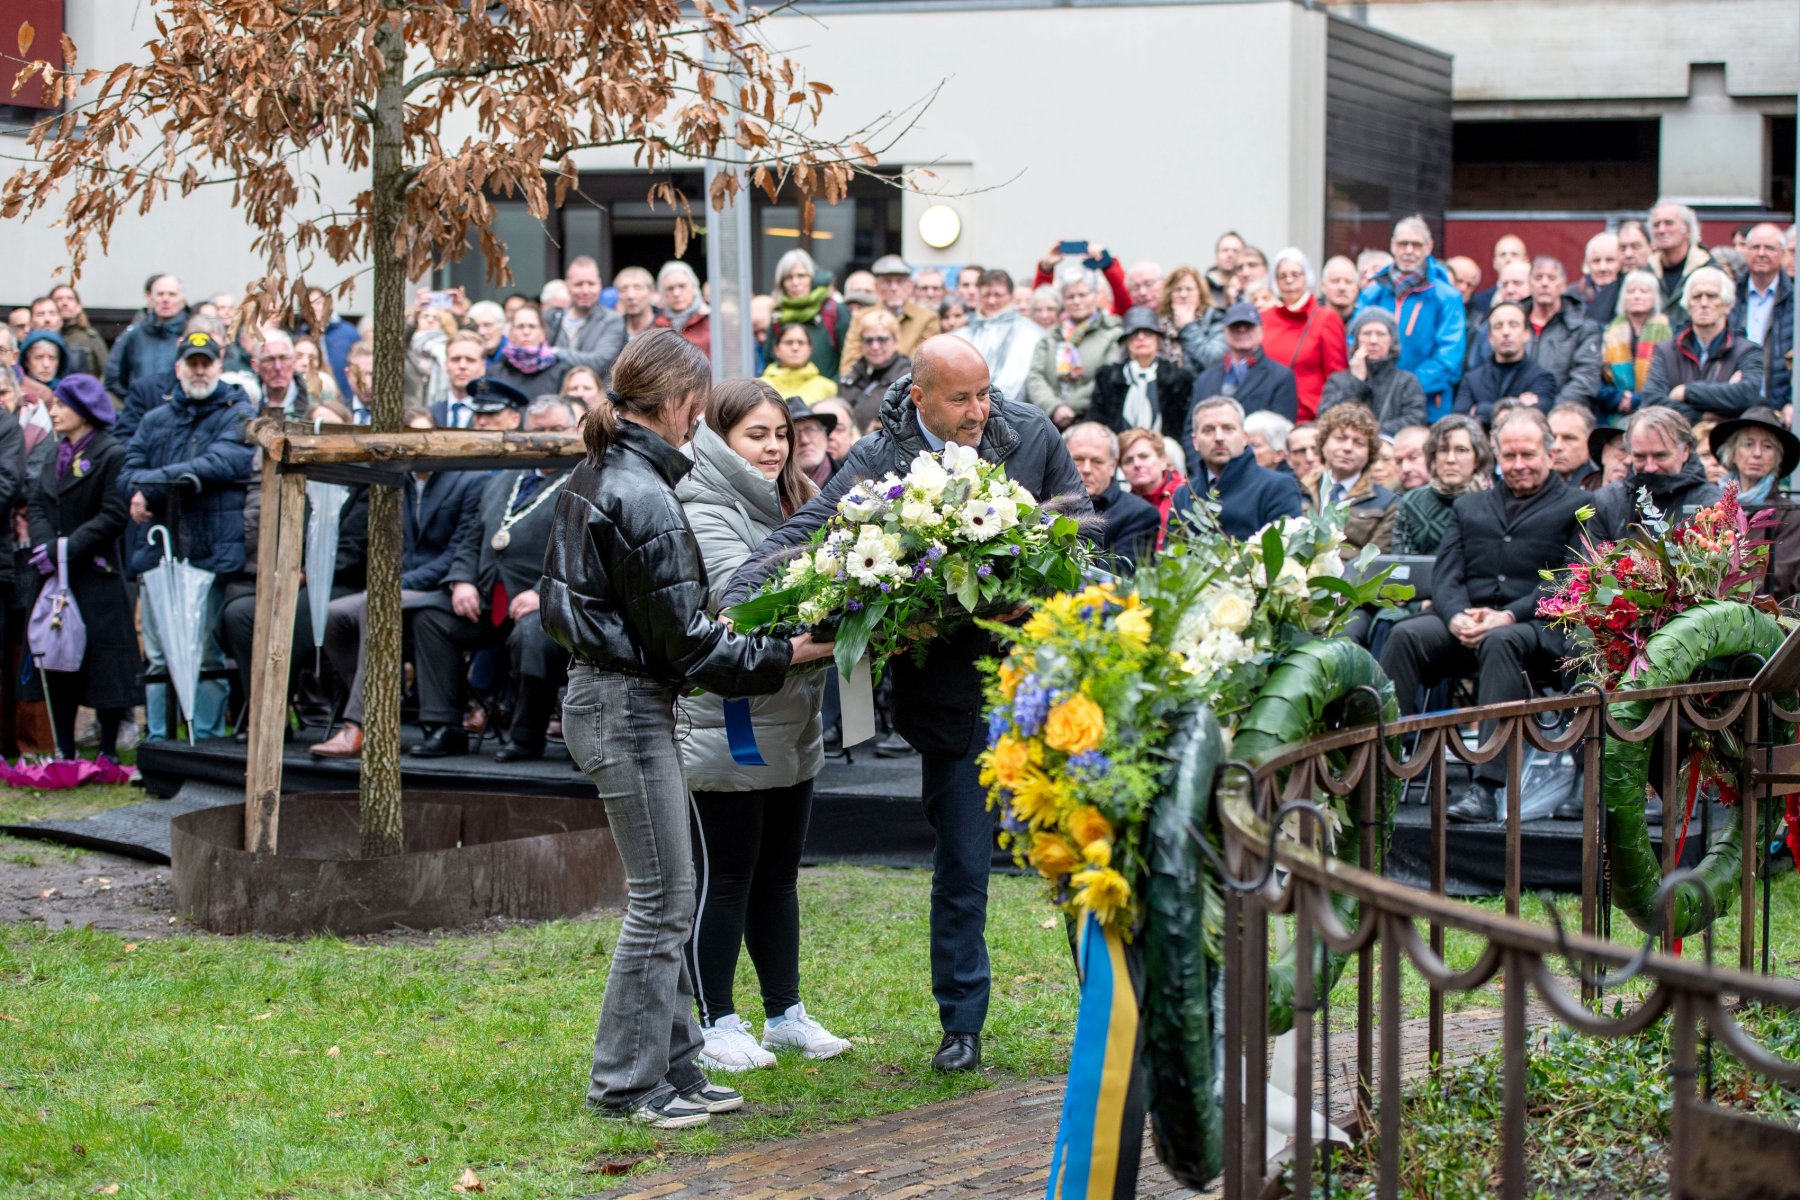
1134, 624
1009, 679
1052, 856
1086, 824
1075, 726
1098, 853
1101, 891
1034, 796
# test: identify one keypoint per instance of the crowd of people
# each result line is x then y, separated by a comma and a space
1452, 422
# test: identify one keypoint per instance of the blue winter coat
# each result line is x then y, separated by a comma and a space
193, 465
1250, 495
1432, 327
140, 398
146, 349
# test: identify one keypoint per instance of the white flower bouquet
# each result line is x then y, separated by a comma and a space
953, 539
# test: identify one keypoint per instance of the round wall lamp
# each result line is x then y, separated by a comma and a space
939, 226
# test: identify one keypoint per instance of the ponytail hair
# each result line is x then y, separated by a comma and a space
656, 369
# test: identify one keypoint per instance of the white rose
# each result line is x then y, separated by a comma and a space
1006, 512
917, 514
858, 504
796, 571
825, 562
1231, 611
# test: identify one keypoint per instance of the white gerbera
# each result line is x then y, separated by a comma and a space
874, 557
977, 521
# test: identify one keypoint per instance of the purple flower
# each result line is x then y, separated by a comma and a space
1010, 821
897, 491
921, 569
984, 570
936, 552
885, 586
999, 721
1088, 766
855, 605
1015, 550
1031, 704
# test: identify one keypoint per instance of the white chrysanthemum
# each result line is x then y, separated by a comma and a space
874, 557
927, 476
977, 521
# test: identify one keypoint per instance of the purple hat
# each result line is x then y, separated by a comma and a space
89, 397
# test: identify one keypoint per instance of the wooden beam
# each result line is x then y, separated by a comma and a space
280, 541
291, 446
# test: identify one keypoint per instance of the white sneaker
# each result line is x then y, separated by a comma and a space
795, 1030
730, 1047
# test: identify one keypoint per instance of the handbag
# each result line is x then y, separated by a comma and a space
56, 633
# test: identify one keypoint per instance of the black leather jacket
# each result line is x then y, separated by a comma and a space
624, 588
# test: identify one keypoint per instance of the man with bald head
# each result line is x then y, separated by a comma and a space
938, 701
1764, 311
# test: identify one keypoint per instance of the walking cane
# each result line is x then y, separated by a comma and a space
44, 682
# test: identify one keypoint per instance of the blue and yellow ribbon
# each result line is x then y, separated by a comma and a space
1102, 1128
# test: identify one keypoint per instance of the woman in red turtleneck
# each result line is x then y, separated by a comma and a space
1300, 333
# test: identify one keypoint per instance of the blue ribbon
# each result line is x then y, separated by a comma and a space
741, 735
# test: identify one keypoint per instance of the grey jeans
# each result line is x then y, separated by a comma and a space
620, 730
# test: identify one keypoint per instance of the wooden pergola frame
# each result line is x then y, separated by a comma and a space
293, 454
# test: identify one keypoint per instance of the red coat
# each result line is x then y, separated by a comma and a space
1311, 342
698, 330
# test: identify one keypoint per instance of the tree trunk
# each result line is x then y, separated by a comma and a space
382, 830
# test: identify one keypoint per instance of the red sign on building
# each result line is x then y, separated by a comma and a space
30, 31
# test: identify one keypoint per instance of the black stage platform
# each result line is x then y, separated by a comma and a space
865, 811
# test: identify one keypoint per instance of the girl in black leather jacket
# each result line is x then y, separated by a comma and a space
624, 590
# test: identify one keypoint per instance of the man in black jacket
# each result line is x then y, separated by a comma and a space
1250, 495
937, 703
1664, 466
1130, 524
490, 597
438, 509
1246, 374
1485, 591
1507, 372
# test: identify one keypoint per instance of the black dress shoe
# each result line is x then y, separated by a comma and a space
518, 752
893, 746
1474, 806
958, 1052
442, 742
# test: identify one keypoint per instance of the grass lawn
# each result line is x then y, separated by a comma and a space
18, 806
197, 1066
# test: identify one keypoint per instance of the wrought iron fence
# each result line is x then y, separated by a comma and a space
1278, 875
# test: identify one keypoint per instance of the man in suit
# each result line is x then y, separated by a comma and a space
438, 509
584, 333
465, 361
1246, 374
1485, 591
491, 598
1250, 495
1130, 524
938, 702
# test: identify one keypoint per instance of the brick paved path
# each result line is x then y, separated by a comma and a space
992, 1144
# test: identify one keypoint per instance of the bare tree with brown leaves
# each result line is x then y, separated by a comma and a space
441, 105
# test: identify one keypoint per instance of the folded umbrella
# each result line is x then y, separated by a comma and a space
174, 595
325, 503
